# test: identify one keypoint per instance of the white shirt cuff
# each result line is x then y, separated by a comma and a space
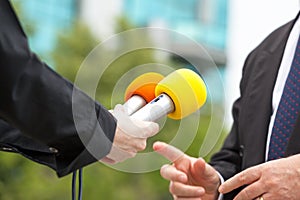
222, 181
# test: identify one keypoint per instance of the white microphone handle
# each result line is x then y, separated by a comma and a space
133, 104
156, 109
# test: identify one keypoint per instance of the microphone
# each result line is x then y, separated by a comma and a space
141, 91
178, 95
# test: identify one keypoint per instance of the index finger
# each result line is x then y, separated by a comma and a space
168, 151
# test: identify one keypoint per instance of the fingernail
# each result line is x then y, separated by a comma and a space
157, 145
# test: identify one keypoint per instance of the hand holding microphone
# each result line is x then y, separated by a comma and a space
131, 134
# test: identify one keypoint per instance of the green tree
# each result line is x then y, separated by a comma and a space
71, 48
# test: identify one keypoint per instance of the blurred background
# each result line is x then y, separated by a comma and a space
63, 32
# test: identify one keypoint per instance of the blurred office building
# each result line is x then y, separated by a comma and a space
202, 20
45, 19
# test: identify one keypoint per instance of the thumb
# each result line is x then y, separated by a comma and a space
202, 169
205, 174
199, 168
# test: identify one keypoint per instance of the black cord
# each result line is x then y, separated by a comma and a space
74, 178
74, 185
80, 185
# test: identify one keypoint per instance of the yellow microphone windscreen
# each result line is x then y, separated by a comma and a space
186, 89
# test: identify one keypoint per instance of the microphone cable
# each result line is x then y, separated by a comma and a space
74, 179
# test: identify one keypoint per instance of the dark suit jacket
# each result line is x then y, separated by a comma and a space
36, 107
245, 145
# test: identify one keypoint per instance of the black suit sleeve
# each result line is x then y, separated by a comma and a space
228, 161
37, 103
12, 140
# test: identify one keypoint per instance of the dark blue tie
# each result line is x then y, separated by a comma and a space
288, 110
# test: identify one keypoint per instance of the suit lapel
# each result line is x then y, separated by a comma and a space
259, 105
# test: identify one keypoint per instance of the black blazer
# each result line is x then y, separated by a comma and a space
36, 107
245, 145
